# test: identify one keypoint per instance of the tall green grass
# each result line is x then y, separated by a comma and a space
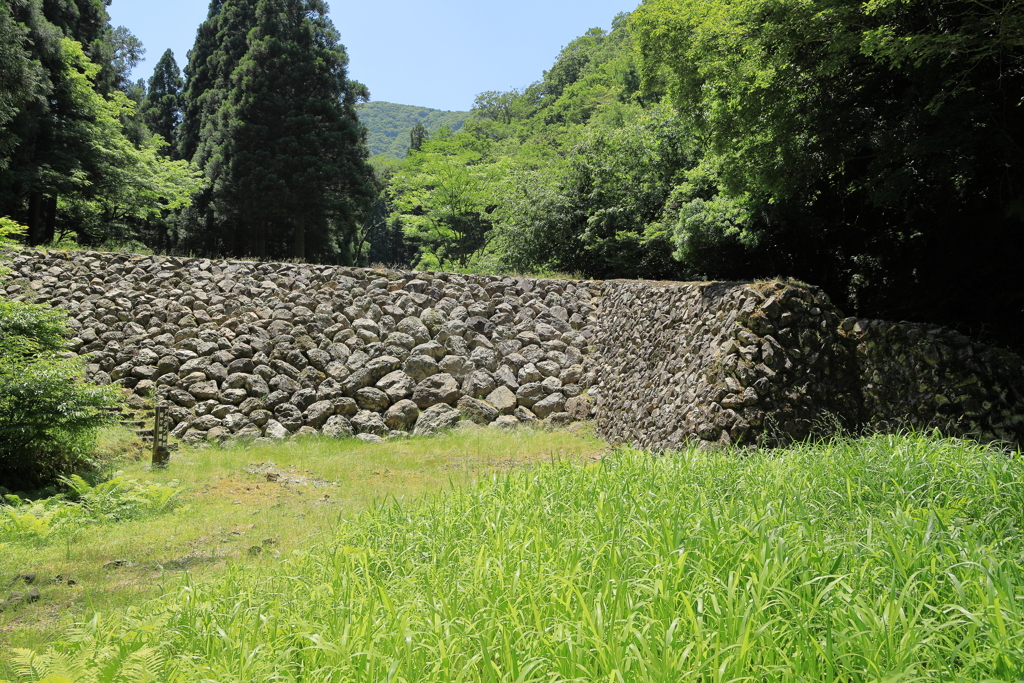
879, 559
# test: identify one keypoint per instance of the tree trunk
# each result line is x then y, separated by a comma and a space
299, 238
258, 239
35, 218
50, 219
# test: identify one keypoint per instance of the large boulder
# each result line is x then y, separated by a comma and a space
458, 367
275, 430
382, 365
503, 400
337, 427
477, 411
204, 391
420, 367
289, 415
436, 389
579, 407
431, 349
478, 384
436, 418
553, 403
318, 413
303, 398
372, 399
402, 416
397, 385
368, 422
528, 394
415, 328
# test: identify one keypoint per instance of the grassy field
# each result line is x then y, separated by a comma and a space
227, 506
877, 559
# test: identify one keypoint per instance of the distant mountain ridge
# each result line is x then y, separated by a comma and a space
389, 124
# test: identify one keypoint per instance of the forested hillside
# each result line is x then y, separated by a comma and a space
388, 125
872, 149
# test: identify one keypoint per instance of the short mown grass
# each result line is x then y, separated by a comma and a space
877, 559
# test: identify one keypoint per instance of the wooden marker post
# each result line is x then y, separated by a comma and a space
161, 427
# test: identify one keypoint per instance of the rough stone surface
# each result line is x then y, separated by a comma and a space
337, 427
268, 350
368, 422
440, 388
402, 415
503, 399
436, 418
477, 411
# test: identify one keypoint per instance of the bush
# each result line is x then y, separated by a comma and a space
48, 412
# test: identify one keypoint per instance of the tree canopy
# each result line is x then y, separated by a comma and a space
270, 118
871, 147
73, 157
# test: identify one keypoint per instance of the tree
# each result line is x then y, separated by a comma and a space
417, 136
858, 140
19, 76
443, 198
272, 122
598, 210
70, 142
161, 110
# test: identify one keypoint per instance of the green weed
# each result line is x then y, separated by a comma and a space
877, 559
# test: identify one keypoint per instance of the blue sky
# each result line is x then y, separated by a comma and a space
431, 54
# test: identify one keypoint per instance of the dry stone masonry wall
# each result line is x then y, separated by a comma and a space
242, 349
259, 350
764, 363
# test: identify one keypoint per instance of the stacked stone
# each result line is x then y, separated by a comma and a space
927, 377
663, 382
242, 349
768, 363
245, 349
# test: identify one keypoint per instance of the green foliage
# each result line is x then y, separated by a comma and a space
9, 231
270, 118
598, 209
442, 198
569, 174
882, 558
161, 109
388, 125
74, 158
133, 664
870, 141
48, 413
116, 500
127, 183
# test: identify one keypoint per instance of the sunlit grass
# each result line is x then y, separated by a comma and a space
878, 559
230, 507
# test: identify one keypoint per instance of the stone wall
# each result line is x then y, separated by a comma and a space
263, 350
928, 377
763, 363
258, 350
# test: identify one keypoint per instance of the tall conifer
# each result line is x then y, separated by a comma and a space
271, 119
161, 110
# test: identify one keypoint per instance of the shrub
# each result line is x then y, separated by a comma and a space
48, 412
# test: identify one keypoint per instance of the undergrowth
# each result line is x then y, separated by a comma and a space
878, 559
116, 500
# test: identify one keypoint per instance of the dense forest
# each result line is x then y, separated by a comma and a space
872, 148
388, 125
